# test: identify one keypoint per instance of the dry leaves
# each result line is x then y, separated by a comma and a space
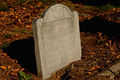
10, 69
92, 53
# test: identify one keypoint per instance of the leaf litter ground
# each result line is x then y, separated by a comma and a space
98, 51
95, 58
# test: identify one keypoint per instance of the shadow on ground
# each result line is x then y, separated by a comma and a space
110, 29
97, 2
100, 25
23, 51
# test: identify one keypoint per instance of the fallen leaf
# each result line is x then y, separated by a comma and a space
3, 67
16, 26
19, 20
94, 68
16, 17
4, 54
89, 73
110, 41
106, 44
16, 35
24, 8
92, 53
22, 69
16, 61
113, 53
118, 56
13, 61
111, 48
114, 9
13, 74
15, 70
99, 34
118, 11
9, 67
39, 4
0, 43
31, 6
58, 77
28, 26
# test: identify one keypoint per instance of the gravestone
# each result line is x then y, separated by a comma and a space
57, 39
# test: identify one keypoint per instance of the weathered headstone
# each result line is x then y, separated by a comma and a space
57, 39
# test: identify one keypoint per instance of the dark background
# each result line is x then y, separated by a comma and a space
97, 2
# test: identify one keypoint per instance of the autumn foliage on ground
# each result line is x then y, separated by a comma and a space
16, 18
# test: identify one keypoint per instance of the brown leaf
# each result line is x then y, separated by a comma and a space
13, 74
4, 54
28, 26
118, 56
92, 53
3, 67
16, 70
114, 9
89, 73
94, 68
16, 35
13, 61
111, 48
22, 69
58, 77
106, 44
113, 53
9, 67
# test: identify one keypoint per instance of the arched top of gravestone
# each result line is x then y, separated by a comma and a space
57, 12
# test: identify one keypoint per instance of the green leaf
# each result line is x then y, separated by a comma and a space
22, 74
21, 78
28, 77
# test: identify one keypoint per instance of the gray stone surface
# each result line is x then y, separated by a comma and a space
57, 39
107, 73
112, 71
115, 68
